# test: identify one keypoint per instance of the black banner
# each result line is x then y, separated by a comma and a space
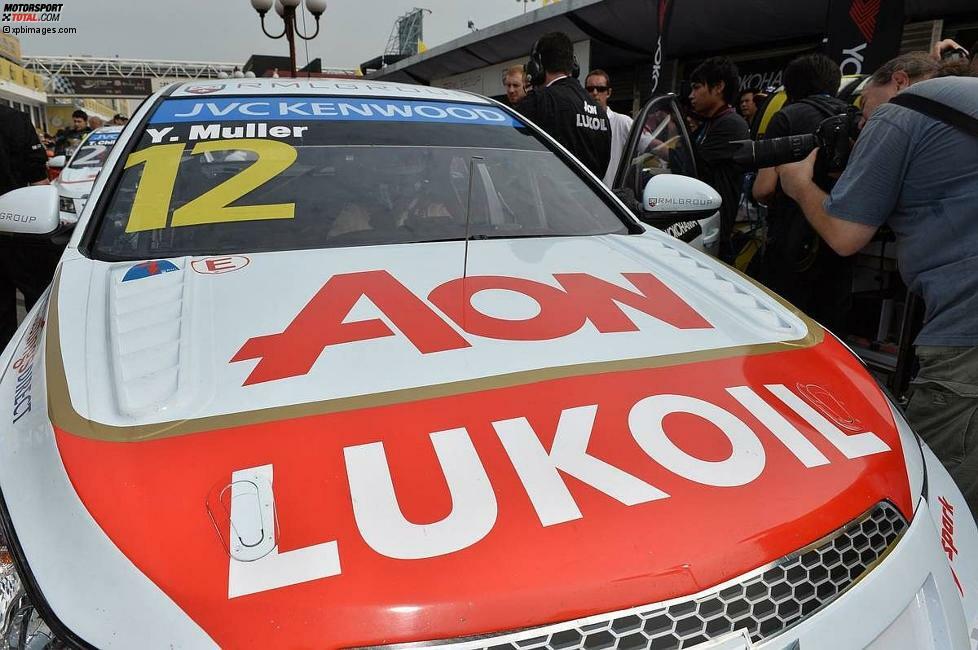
135, 87
665, 11
863, 34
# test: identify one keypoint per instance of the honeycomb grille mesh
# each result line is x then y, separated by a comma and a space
764, 604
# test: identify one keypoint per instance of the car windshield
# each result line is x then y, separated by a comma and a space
221, 175
93, 152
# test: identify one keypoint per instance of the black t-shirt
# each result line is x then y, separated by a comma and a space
799, 266
22, 156
573, 119
714, 160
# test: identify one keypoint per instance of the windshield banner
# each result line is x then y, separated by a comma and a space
102, 138
338, 109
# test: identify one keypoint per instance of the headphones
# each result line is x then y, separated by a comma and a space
535, 71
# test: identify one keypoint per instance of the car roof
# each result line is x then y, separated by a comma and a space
320, 86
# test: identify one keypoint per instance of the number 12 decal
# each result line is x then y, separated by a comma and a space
152, 201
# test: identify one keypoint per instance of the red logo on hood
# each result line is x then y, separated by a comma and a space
581, 298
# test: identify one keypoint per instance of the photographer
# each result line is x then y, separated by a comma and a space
915, 167
559, 105
797, 263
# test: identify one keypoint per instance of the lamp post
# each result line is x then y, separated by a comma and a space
287, 9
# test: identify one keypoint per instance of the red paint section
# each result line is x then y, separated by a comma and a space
150, 497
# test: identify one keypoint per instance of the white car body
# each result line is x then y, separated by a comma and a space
586, 441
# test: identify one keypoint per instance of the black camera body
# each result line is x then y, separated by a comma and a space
954, 54
834, 137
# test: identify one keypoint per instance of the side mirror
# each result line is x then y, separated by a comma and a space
669, 198
57, 162
30, 211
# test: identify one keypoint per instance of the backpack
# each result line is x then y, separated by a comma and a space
793, 245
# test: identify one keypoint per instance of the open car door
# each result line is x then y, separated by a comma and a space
660, 144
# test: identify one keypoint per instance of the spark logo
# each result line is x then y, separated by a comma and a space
947, 537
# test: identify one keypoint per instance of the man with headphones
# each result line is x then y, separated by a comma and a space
559, 105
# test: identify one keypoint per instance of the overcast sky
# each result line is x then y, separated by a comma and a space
353, 31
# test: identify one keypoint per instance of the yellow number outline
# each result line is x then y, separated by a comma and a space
155, 192
213, 206
152, 201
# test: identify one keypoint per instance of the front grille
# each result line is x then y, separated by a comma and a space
765, 603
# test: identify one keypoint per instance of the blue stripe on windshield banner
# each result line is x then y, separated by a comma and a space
305, 109
103, 138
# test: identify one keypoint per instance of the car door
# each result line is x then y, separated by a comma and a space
659, 143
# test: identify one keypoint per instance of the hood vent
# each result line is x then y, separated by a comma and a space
147, 328
759, 312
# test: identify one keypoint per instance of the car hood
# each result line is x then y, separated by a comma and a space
77, 182
376, 445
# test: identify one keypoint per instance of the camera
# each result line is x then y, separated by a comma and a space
954, 54
834, 136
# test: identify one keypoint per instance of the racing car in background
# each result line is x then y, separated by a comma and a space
341, 364
78, 173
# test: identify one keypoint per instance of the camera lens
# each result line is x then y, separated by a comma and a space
775, 151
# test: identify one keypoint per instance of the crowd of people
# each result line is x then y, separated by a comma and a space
914, 168
66, 140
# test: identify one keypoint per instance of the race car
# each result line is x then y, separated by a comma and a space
78, 173
348, 364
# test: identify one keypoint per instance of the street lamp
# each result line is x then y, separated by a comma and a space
287, 10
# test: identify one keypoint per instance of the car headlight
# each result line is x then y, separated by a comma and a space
912, 453
67, 204
21, 626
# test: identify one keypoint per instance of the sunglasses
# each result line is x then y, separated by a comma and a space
600, 89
